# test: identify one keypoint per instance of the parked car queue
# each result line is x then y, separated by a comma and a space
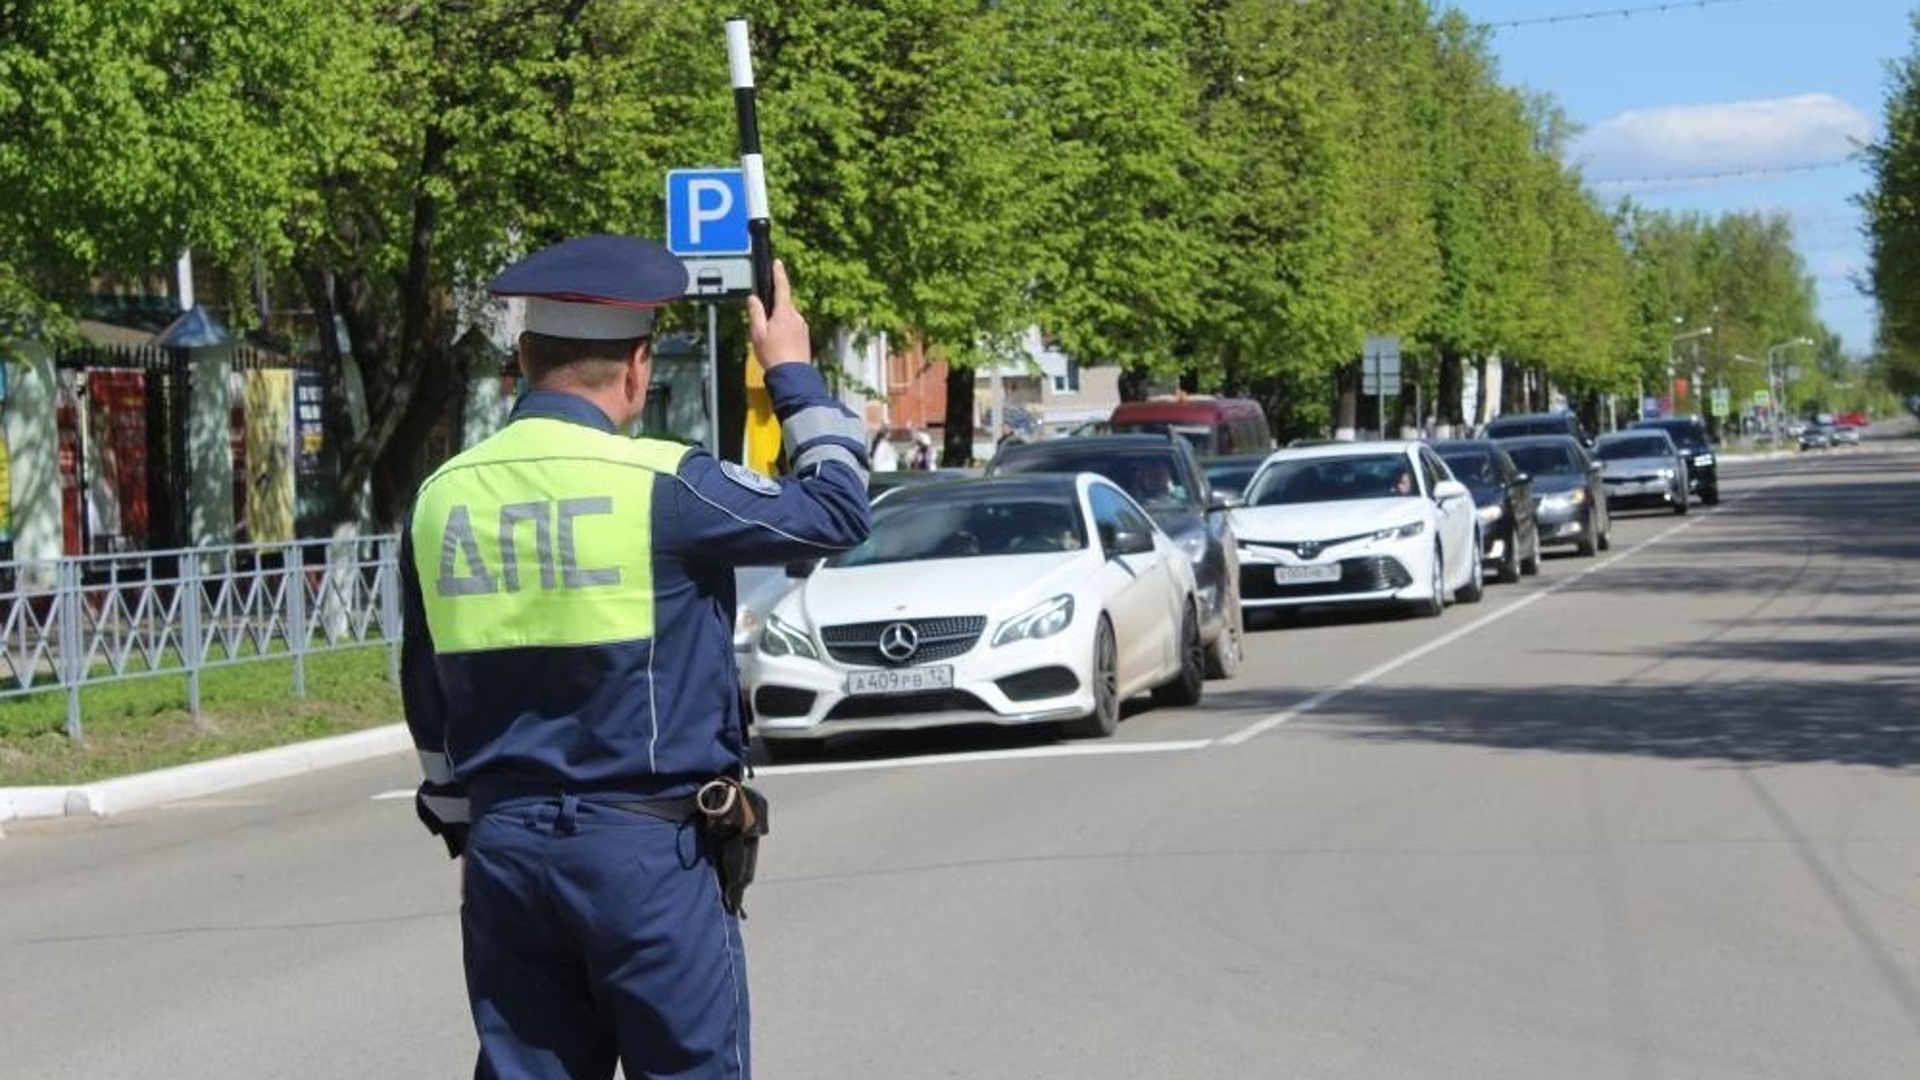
1086, 570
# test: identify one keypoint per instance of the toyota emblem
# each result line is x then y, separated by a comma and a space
1308, 550
899, 641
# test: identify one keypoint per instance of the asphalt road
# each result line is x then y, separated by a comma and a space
1655, 814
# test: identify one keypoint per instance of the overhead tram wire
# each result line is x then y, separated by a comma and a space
1715, 177
1670, 7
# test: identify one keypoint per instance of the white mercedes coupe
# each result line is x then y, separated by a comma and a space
1357, 523
1018, 600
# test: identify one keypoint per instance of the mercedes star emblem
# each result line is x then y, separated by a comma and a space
899, 641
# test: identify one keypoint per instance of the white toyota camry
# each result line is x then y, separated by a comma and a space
1357, 523
1017, 600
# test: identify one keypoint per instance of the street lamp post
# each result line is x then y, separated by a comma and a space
1775, 385
1690, 335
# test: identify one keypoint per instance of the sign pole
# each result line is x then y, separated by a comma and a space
1380, 389
713, 378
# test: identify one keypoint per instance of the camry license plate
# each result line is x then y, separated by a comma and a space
901, 680
1306, 575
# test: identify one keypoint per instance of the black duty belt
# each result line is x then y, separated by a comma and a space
679, 811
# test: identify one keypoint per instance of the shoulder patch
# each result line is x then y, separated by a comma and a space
747, 478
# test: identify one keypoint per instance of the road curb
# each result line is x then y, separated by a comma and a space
108, 797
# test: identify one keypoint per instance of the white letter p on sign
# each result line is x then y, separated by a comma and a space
712, 200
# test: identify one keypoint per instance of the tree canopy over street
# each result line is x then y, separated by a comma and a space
1228, 193
1893, 225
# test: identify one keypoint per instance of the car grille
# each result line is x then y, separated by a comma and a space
1367, 574
931, 701
1293, 547
940, 639
1043, 682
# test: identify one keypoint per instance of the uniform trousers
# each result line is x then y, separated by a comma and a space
593, 935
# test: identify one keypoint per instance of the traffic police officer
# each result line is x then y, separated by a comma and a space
568, 672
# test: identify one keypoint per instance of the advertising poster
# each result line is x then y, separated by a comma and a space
117, 429
317, 483
269, 456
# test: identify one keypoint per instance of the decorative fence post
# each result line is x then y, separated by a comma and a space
194, 652
294, 578
73, 649
390, 627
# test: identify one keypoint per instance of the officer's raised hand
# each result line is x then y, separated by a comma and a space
781, 339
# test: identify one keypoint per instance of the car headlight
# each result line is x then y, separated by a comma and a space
1566, 498
1492, 513
780, 639
1403, 532
1667, 474
1043, 620
1703, 460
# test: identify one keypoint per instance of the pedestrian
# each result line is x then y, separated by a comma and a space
922, 450
568, 675
882, 454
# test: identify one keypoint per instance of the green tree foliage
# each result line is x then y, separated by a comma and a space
1228, 193
1892, 208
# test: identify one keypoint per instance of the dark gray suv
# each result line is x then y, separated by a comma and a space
1164, 477
1689, 433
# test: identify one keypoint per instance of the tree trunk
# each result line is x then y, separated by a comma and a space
1346, 403
1450, 392
957, 440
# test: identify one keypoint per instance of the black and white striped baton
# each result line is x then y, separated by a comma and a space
759, 221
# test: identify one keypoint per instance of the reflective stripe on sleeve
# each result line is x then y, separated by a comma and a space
449, 809
820, 422
435, 767
825, 452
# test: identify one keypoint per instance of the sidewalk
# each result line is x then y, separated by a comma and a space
105, 798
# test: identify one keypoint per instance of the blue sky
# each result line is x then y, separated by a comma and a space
1723, 86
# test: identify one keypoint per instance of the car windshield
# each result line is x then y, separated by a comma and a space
1621, 449
1231, 476
1546, 460
1544, 425
992, 523
1150, 476
1199, 436
1682, 434
1474, 468
1334, 479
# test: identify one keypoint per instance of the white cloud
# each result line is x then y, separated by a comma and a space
1737, 136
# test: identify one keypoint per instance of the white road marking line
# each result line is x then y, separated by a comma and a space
385, 796
1266, 724
1068, 750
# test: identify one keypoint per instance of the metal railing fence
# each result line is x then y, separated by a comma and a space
74, 622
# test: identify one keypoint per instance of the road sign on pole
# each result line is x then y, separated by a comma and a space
707, 212
1762, 399
1722, 402
1380, 374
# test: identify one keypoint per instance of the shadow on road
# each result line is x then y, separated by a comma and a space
1867, 721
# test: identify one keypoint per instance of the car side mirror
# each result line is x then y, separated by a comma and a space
1449, 489
1219, 500
802, 568
1116, 541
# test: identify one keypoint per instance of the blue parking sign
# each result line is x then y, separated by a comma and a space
707, 212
